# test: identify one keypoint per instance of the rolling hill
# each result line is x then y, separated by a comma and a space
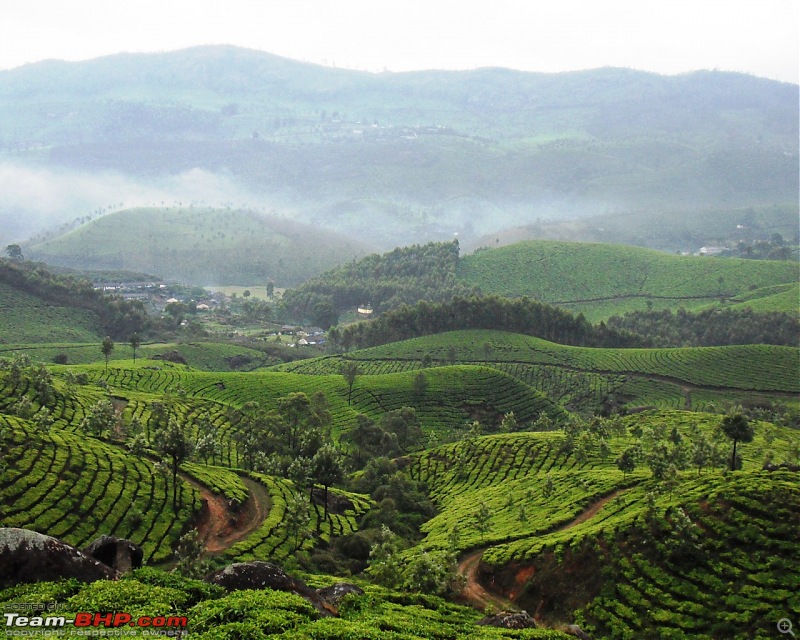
670, 229
200, 246
601, 280
583, 378
598, 280
29, 319
40, 306
710, 557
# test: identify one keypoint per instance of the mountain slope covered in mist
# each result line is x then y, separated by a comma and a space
200, 246
407, 157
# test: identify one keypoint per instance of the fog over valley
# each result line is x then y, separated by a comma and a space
385, 158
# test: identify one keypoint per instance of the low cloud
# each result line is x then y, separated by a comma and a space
39, 199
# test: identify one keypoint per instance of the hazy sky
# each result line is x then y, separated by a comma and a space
667, 36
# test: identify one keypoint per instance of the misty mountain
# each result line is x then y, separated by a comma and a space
400, 157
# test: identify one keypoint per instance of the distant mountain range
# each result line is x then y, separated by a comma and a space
402, 157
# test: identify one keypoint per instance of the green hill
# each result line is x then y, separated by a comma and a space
382, 281
667, 229
711, 556
601, 280
670, 545
454, 396
200, 246
583, 378
40, 306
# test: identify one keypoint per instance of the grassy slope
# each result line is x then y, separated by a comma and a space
27, 318
200, 246
783, 297
601, 280
206, 356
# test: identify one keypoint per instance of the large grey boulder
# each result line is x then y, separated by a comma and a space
509, 620
28, 556
117, 553
334, 594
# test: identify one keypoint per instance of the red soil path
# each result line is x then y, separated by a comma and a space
219, 526
479, 596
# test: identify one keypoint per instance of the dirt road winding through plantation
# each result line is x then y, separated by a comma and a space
220, 526
478, 596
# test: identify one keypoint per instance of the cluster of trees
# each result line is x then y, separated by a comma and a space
117, 317
519, 315
712, 327
775, 248
398, 432
669, 452
402, 276
292, 440
22, 373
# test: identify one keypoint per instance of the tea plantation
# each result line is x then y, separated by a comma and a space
583, 378
641, 510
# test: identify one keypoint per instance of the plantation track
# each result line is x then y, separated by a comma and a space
220, 526
646, 296
479, 597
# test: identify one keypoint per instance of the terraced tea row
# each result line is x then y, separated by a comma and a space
292, 524
451, 397
76, 488
722, 565
580, 378
601, 280
533, 483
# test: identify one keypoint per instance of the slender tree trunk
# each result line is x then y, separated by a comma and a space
733, 457
174, 488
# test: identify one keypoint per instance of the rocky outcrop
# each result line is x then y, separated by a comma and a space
509, 620
265, 575
575, 630
783, 466
171, 356
334, 594
27, 556
118, 553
